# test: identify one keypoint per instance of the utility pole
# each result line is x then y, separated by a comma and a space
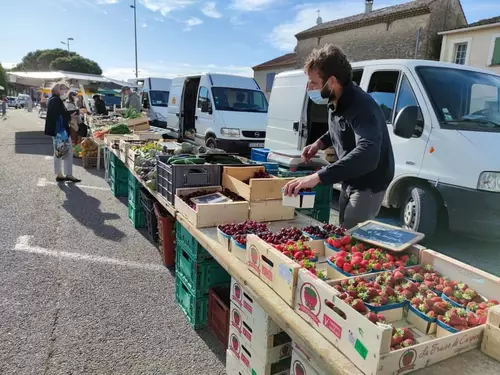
135, 35
67, 43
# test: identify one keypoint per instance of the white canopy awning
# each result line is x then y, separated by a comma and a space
42, 79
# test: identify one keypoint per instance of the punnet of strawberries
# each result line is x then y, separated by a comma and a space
459, 319
430, 304
359, 259
301, 253
402, 338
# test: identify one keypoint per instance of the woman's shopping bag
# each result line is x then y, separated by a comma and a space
62, 142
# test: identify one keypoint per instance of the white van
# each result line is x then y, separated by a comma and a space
219, 111
155, 94
444, 124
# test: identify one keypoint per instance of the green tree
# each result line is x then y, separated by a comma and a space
3, 80
57, 59
76, 64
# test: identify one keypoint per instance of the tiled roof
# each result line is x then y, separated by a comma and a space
285, 60
487, 21
380, 15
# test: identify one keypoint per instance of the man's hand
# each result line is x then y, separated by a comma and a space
308, 182
309, 152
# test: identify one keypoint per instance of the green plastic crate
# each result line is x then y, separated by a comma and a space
134, 189
136, 215
200, 277
195, 308
189, 243
118, 173
321, 214
118, 188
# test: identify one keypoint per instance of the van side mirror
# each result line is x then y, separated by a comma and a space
406, 121
206, 107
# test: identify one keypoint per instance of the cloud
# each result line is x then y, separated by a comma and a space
251, 5
193, 21
171, 70
144, 24
209, 9
166, 6
108, 1
283, 35
237, 21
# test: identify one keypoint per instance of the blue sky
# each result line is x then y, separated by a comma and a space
177, 36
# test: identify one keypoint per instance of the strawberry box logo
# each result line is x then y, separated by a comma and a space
236, 319
285, 351
254, 258
237, 293
235, 345
407, 361
298, 368
310, 303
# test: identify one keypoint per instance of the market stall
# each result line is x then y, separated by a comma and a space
303, 297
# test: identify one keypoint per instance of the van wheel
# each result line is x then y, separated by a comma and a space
419, 211
210, 142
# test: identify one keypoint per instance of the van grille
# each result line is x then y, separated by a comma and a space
253, 134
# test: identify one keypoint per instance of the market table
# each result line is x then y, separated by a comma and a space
323, 352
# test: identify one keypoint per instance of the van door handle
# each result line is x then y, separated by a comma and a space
178, 114
296, 126
196, 117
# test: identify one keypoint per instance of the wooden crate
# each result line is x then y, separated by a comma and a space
91, 161
259, 189
271, 210
275, 269
125, 148
110, 139
368, 345
210, 215
143, 136
132, 122
491, 339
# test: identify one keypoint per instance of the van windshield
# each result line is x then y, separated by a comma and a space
463, 99
240, 100
159, 98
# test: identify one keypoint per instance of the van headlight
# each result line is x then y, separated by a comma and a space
230, 132
489, 181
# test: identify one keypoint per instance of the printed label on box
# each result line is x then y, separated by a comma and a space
285, 273
236, 319
247, 334
361, 349
234, 345
247, 306
332, 326
236, 294
267, 273
310, 303
253, 262
245, 360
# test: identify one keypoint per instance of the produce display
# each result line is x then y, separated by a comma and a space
325, 231
258, 174
187, 198
283, 236
459, 319
301, 253
247, 227
355, 260
430, 304
88, 148
119, 129
131, 113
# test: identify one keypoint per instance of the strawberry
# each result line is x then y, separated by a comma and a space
359, 306
472, 320
416, 301
408, 342
396, 340
398, 276
340, 263
440, 308
298, 255
381, 318
492, 302
372, 317
347, 267
448, 291
346, 240
376, 267
389, 257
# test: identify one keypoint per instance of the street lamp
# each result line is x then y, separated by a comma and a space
134, 7
67, 43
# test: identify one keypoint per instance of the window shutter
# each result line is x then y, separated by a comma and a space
495, 60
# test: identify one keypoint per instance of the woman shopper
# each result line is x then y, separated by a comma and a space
57, 126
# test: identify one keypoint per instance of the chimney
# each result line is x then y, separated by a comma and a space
368, 6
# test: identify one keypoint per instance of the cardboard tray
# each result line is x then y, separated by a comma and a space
259, 189
272, 210
210, 215
368, 345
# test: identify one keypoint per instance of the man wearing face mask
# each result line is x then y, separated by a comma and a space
357, 132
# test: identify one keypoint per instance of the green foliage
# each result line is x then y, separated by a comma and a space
3, 79
57, 59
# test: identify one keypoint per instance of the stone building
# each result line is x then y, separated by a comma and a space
407, 31
264, 73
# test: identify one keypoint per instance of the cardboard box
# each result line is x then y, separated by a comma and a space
224, 239
210, 215
253, 312
258, 189
251, 362
302, 200
271, 210
238, 250
269, 347
366, 344
275, 269
302, 363
233, 365
491, 340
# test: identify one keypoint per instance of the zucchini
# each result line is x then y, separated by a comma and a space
188, 161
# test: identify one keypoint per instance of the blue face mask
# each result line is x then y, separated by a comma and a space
315, 96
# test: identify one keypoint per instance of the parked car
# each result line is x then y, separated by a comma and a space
11, 101
21, 100
444, 124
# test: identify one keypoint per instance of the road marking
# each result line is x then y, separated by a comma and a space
45, 182
23, 245
49, 157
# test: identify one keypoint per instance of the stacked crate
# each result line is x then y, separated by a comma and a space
302, 363
118, 176
196, 272
256, 344
136, 213
322, 201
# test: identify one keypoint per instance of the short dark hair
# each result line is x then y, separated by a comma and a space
330, 61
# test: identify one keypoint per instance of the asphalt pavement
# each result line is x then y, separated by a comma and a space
82, 291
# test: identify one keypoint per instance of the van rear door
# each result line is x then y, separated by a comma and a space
286, 119
174, 103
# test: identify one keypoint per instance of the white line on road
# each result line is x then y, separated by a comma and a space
49, 157
23, 245
45, 182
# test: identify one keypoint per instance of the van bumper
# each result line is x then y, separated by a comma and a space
471, 211
237, 146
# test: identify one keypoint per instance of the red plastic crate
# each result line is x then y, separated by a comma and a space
166, 224
218, 314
